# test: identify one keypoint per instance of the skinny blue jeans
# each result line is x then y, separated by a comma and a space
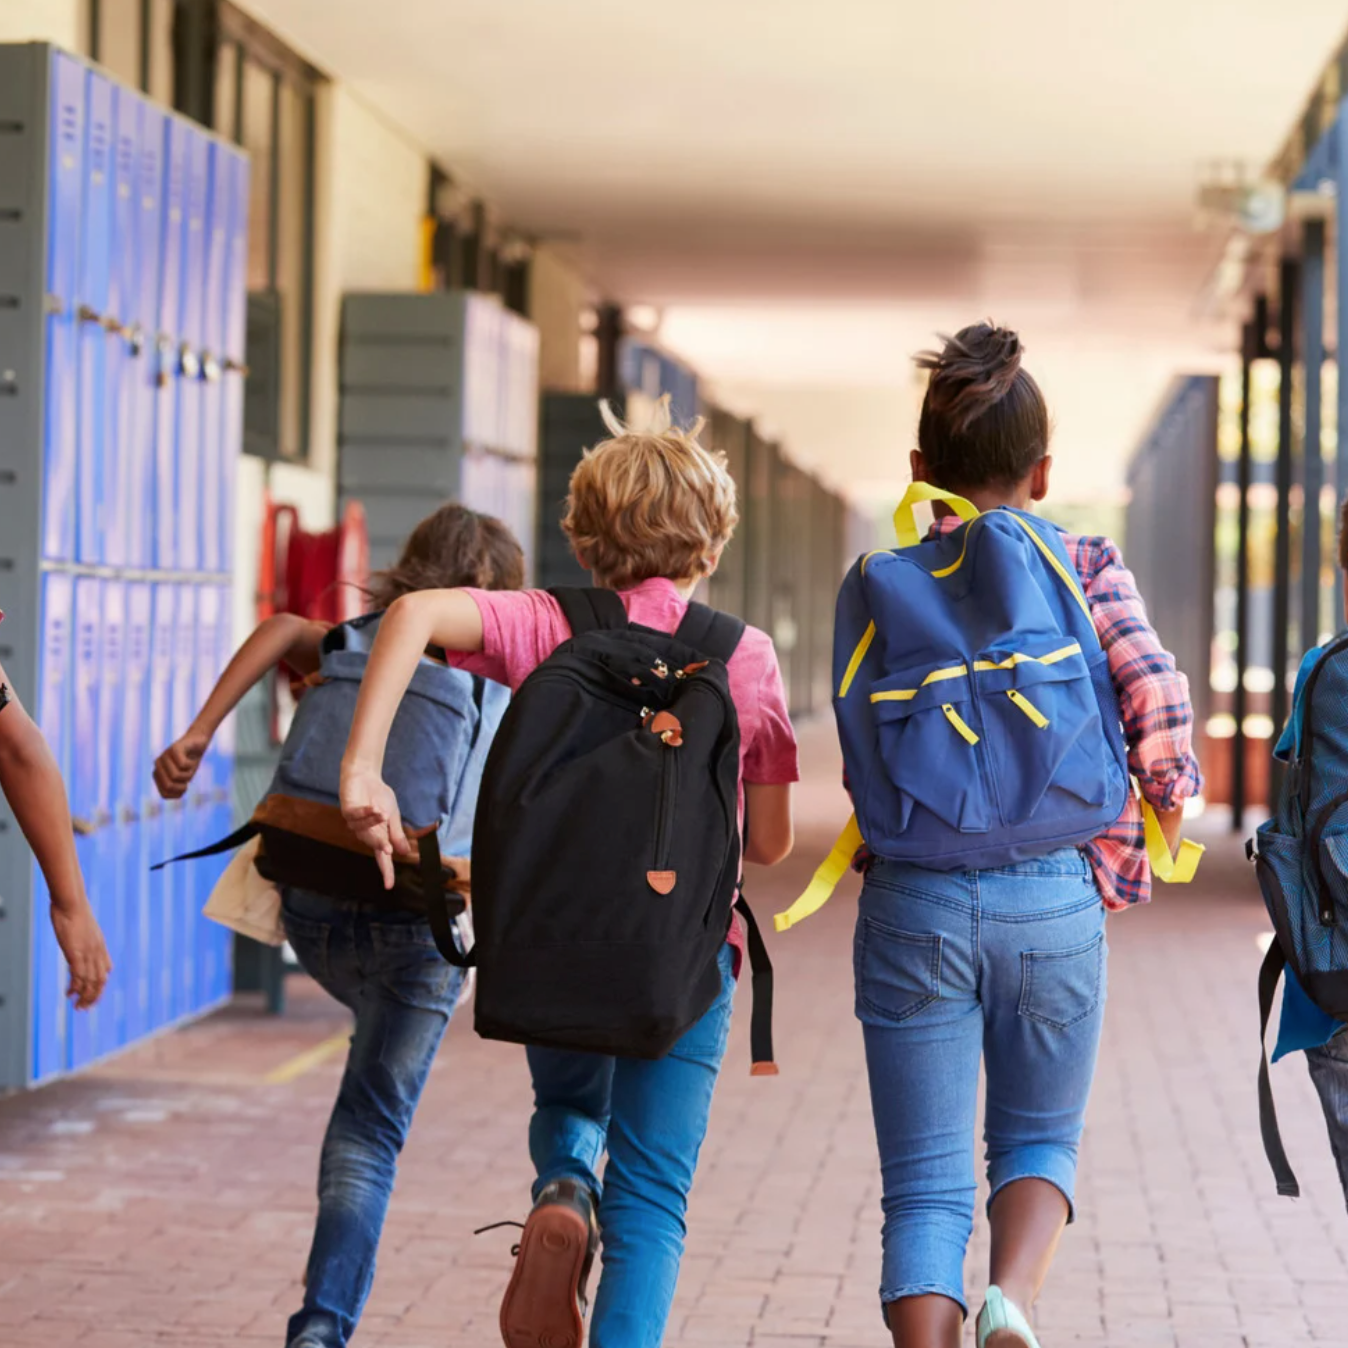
1004, 966
386, 968
651, 1117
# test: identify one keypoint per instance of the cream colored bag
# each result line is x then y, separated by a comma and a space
244, 902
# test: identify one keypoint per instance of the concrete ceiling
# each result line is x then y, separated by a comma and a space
787, 179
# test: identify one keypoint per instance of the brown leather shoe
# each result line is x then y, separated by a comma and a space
545, 1303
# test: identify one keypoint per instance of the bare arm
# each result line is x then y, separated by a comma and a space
284, 637
446, 618
32, 785
771, 833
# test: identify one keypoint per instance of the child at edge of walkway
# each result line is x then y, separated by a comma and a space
379, 962
32, 785
1303, 1026
648, 515
983, 435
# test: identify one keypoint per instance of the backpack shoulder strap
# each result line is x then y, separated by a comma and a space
590, 610
711, 632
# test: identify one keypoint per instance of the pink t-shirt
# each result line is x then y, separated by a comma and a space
521, 628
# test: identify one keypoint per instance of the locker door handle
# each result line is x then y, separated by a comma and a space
189, 362
233, 366
87, 315
210, 368
82, 827
135, 338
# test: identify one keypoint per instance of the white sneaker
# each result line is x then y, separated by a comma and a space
1000, 1314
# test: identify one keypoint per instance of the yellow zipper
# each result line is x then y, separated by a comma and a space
959, 723
1028, 707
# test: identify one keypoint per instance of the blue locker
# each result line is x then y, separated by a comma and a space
85, 805
123, 299
144, 322
132, 796
224, 809
168, 357
187, 548
218, 220
184, 827
210, 784
92, 295
110, 1022
50, 978
65, 185
155, 829
236, 349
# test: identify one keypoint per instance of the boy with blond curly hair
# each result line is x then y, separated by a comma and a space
648, 515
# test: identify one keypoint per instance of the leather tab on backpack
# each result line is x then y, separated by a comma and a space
765, 1069
661, 881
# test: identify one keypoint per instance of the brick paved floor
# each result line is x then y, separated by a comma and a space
166, 1198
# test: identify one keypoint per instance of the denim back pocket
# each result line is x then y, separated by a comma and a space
898, 973
1060, 988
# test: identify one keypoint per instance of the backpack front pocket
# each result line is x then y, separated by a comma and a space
1045, 738
931, 746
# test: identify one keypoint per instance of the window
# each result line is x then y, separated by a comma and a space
263, 99
213, 62
134, 40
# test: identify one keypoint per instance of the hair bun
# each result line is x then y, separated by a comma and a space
974, 370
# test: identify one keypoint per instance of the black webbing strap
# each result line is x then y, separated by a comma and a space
590, 610
710, 632
241, 835
438, 912
760, 1018
1269, 974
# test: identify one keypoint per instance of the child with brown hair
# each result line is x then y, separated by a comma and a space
376, 958
649, 515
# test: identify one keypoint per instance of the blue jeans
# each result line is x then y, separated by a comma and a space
385, 967
1003, 965
1329, 1071
651, 1117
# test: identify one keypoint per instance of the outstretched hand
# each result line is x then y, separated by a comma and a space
81, 942
371, 812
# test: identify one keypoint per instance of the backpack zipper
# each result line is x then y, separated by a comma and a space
1327, 812
664, 808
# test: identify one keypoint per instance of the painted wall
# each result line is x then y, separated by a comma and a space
58, 21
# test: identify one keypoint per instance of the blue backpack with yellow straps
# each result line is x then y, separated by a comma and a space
979, 722
978, 719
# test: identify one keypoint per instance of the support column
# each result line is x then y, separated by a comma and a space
1288, 285
1252, 340
1313, 470
1340, 169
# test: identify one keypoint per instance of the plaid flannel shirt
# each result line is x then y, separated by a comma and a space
1158, 718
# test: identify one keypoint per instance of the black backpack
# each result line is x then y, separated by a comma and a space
606, 848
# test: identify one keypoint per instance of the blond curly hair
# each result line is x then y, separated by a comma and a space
650, 503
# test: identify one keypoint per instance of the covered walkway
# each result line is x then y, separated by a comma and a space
166, 1197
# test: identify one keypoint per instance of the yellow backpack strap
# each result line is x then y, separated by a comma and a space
1176, 868
918, 492
820, 889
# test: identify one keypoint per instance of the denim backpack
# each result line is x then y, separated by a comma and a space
978, 719
437, 748
1301, 859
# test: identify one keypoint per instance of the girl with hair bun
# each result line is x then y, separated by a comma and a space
1002, 966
